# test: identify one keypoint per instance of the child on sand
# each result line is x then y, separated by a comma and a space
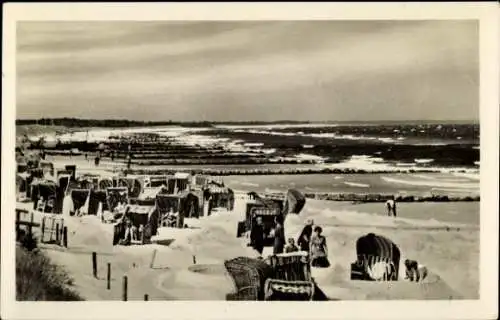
291, 247
415, 271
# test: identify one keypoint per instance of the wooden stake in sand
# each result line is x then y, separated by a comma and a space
18, 225
146, 297
65, 237
57, 233
43, 229
153, 259
124, 288
30, 228
94, 264
109, 277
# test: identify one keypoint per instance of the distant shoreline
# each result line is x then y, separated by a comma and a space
124, 123
283, 171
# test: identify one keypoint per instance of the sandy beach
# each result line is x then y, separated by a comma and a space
212, 240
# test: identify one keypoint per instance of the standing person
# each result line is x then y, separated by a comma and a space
319, 250
257, 236
391, 207
127, 239
279, 237
305, 236
394, 208
141, 232
129, 161
134, 233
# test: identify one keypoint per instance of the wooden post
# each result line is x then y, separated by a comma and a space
18, 225
194, 259
43, 230
109, 277
153, 259
146, 297
57, 233
30, 228
94, 264
124, 288
65, 236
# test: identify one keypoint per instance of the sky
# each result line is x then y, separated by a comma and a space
249, 70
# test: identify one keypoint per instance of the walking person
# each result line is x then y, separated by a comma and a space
305, 236
257, 236
319, 249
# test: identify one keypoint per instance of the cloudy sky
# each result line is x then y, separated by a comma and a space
330, 70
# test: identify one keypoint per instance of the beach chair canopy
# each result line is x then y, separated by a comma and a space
167, 203
139, 214
105, 183
372, 245
182, 175
149, 193
79, 196
262, 211
115, 196
274, 202
294, 201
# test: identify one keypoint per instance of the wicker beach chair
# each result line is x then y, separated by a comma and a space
284, 290
249, 277
292, 280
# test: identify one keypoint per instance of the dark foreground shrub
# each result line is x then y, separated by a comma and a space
37, 279
27, 240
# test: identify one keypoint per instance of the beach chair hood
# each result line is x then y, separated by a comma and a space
294, 202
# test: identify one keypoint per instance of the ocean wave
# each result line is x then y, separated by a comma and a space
432, 183
472, 176
454, 178
321, 135
354, 184
424, 160
249, 184
457, 190
306, 156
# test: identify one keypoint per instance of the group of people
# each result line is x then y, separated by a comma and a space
310, 240
259, 235
132, 233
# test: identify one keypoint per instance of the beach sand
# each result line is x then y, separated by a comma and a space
451, 256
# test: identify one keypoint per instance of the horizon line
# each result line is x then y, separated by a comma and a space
242, 121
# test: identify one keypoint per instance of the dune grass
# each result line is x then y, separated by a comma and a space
37, 279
